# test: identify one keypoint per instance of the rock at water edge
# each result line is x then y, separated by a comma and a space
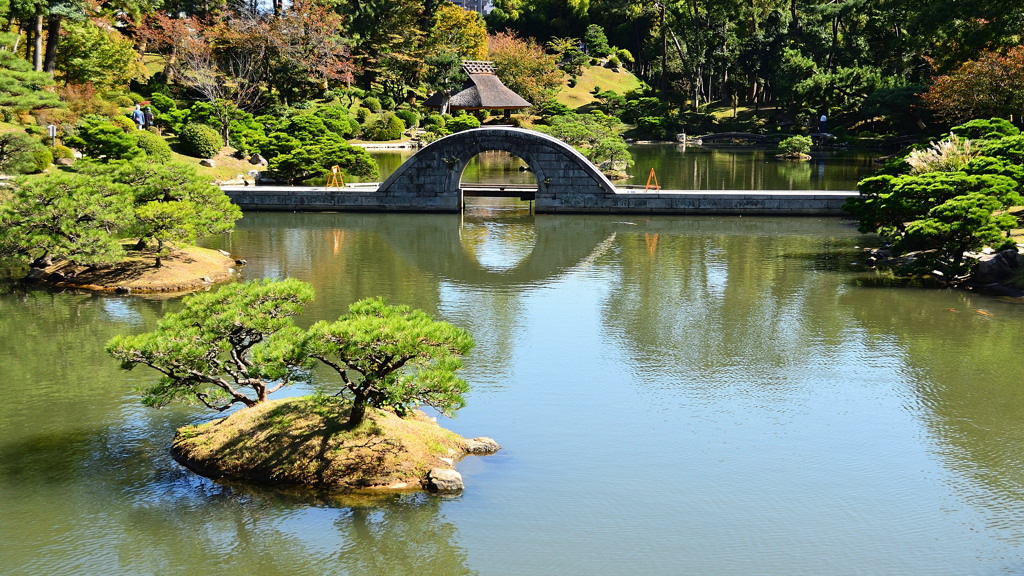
482, 445
444, 480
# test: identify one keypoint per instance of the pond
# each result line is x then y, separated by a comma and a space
679, 167
675, 395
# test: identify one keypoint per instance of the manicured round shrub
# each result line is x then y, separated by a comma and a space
387, 103
624, 55
613, 62
410, 118
363, 114
123, 101
373, 103
62, 152
200, 140
42, 157
796, 145
154, 146
433, 121
387, 126
124, 123
464, 122
136, 97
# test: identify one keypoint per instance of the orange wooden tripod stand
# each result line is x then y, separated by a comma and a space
655, 178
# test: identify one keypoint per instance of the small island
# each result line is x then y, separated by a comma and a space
306, 441
239, 344
125, 226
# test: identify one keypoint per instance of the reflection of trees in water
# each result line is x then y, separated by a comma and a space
713, 307
496, 167
964, 368
404, 536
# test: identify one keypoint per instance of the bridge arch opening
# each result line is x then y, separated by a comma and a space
497, 180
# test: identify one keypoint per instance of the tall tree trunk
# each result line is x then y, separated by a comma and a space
29, 40
37, 47
52, 39
794, 22
663, 83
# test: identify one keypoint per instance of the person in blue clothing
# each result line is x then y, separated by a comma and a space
138, 117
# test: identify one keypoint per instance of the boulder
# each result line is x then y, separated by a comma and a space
481, 445
1012, 258
64, 161
991, 268
257, 160
255, 174
444, 480
208, 163
35, 273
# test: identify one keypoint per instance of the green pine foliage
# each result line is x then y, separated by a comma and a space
200, 140
946, 213
98, 138
232, 346
304, 148
386, 126
796, 145
391, 356
69, 217
21, 88
463, 122
18, 153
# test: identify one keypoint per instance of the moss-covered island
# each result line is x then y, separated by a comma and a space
308, 441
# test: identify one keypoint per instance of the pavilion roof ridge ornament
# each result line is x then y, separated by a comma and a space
477, 67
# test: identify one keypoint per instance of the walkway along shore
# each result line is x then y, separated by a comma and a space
364, 198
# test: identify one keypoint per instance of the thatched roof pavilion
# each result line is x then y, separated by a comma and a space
483, 91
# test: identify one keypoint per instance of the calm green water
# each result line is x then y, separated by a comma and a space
689, 168
674, 396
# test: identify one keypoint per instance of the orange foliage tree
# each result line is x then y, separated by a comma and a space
524, 67
991, 86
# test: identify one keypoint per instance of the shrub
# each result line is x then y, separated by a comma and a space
98, 138
363, 114
6, 114
410, 118
62, 152
482, 115
460, 123
796, 145
624, 55
136, 97
597, 41
372, 103
123, 101
42, 157
572, 82
154, 146
124, 123
386, 126
433, 120
992, 129
304, 105
613, 62
161, 103
17, 153
200, 140
387, 103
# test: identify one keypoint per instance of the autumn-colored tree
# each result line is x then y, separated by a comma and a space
523, 66
991, 86
307, 39
458, 31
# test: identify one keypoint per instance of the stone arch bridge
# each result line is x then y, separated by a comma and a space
431, 177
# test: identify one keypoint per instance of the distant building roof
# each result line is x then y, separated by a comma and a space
483, 90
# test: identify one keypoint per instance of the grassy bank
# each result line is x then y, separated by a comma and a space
307, 441
596, 76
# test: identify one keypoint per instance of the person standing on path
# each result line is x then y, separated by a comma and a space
147, 114
138, 117
822, 124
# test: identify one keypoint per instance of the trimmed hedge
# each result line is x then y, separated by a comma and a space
411, 119
200, 140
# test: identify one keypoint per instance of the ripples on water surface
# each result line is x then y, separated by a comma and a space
674, 395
